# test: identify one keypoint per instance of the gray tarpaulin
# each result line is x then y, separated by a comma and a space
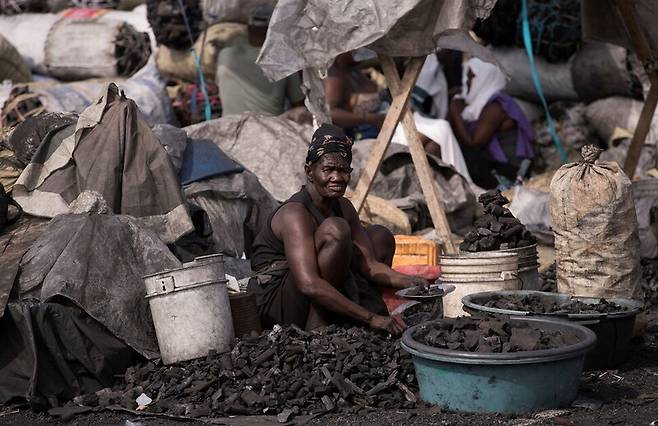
112, 151
273, 148
98, 261
308, 34
397, 181
311, 33
52, 352
237, 206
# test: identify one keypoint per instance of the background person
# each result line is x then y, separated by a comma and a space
243, 87
491, 128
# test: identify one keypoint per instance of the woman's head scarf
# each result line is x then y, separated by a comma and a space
488, 79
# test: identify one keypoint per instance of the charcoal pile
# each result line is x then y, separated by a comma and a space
542, 305
489, 336
422, 312
285, 372
650, 282
497, 229
548, 279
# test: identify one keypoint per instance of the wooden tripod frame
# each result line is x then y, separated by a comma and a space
399, 111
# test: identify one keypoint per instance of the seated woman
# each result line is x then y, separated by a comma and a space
494, 133
355, 104
353, 99
315, 263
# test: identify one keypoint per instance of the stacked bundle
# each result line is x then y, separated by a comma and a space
497, 229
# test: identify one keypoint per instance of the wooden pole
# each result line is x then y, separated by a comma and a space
641, 131
645, 54
427, 183
386, 133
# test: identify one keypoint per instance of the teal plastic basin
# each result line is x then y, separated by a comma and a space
515, 382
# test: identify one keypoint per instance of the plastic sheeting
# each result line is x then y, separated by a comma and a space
273, 148
52, 352
146, 88
111, 150
600, 70
645, 195
308, 34
237, 206
556, 80
98, 261
607, 114
397, 181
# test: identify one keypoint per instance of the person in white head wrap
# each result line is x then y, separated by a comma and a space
493, 132
480, 82
436, 134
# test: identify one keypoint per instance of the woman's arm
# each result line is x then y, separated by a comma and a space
335, 95
491, 119
371, 268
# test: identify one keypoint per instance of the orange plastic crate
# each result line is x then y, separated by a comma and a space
413, 250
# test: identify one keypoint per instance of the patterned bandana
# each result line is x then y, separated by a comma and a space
327, 139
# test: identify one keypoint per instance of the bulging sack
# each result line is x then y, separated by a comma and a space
596, 233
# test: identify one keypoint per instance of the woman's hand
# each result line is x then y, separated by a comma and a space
412, 281
376, 119
457, 106
387, 324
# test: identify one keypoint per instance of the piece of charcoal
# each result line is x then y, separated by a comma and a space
511, 232
488, 243
283, 416
509, 221
269, 353
328, 403
199, 411
250, 397
339, 381
471, 237
89, 400
484, 232
496, 227
225, 361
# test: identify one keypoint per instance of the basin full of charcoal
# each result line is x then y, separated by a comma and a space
612, 320
498, 365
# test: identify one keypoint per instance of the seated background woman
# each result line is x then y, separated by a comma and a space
491, 128
356, 105
353, 99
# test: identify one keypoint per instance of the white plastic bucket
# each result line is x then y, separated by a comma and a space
474, 273
191, 309
528, 266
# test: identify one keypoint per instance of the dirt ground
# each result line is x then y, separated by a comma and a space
626, 396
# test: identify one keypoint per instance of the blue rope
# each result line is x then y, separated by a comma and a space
197, 63
527, 42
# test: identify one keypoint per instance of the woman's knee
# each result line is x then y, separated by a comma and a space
334, 229
383, 242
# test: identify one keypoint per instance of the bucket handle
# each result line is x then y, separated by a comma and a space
167, 284
507, 274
